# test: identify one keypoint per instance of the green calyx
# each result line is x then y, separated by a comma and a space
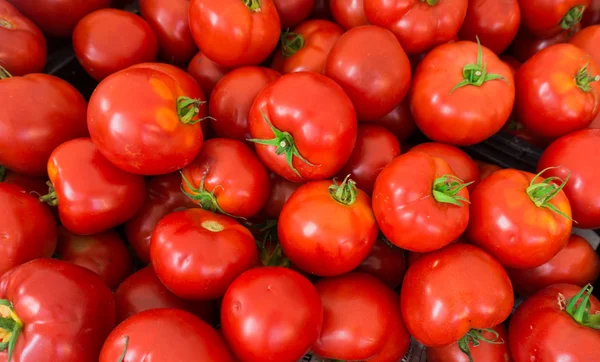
446, 189
207, 200
476, 74
2, 173
122, 357
572, 17
345, 193
584, 79
11, 326
271, 253
543, 192
430, 2
4, 74
50, 198
475, 337
253, 5
581, 312
188, 109
5, 24
290, 43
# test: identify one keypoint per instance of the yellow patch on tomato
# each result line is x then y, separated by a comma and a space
562, 82
51, 171
162, 89
167, 119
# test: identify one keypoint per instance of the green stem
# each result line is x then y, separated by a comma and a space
253, 5
543, 192
4, 74
12, 325
446, 189
475, 337
580, 312
572, 17
476, 74
345, 193
188, 109
5, 24
207, 200
122, 357
2, 173
290, 43
430, 2
584, 79
50, 198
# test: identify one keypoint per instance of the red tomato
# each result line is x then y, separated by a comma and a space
295, 141
348, 13
28, 138
419, 25
58, 311
321, 10
385, 262
575, 153
234, 33
591, 16
31, 184
145, 119
206, 72
539, 327
307, 47
398, 339
281, 190
526, 45
86, 207
486, 169
164, 335
588, 40
399, 121
547, 18
271, 314
480, 295
318, 244
495, 22
375, 148
481, 350
424, 211
292, 12
513, 63
232, 98
451, 93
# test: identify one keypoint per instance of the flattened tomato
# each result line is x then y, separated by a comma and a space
206, 72
546, 18
481, 350
348, 13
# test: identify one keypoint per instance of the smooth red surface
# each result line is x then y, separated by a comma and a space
484, 352
385, 262
399, 121
292, 12
588, 40
542, 18
206, 72
281, 190
348, 13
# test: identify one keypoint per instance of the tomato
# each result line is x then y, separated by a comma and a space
145, 119
424, 211
318, 244
498, 351
375, 148
206, 72
292, 12
281, 190
419, 25
271, 314
164, 335
232, 98
452, 293
385, 262
451, 93
547, 18
28, 138
31, 184
575, 154
526, 45
588, 39
235, 33
54, 311
398, 339
591, 16
58, 18
486, 169
348, 13
307, 47
357, 311
295, 141
399, 121
86, 207
495, 22
538, 328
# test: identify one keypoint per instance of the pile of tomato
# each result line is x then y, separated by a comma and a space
284, 180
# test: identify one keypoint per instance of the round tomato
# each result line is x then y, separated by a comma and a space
295, 141
281, 190
348, 13
292, 12
451, 93
206, 72
526, 45
547, 18
490, 345
399, 121
385, 262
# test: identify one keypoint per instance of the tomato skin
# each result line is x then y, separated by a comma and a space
325, 144
483, 299
206, 72
165, 335
406, 211
293, 12
538, 328
58, 116
398, 338
399, 121
385, 262
286, 322
486, 169
591, 16
28, 183
349, 14
543, 18
526, 45
113, 197
484, 352
588, 39
512, 62
232, 98
495, 22
74, 314
231, 34
281, 190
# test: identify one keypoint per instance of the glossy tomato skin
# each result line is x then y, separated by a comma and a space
28, 138
538, 328
206, 72
574, 153
399, 121
484, 352
385, 262
319, 37
233, 35
398, 338
349, 14
271, 314
232, 98
418, 25
406, 211
464, 116
165, 335
543, 18
289, 103
281, 190
484, 300
113, 197
73, 314
526, 45
132, 118
23, 44
292, 12
588, 40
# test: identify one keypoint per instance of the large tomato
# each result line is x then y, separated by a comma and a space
52, 310
206, 72
385, 262
281, 190
547, 18
348, 13
419, 202
419, 25
292, 12
526, 45
291, 124
588, 40
399, 121
145, 119
481, 350
462, 93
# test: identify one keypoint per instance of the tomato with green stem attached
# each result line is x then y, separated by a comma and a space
485, 346
547, 18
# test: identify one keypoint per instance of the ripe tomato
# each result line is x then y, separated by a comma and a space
451, 91
145, 119
234, 33
588, 40
263, 302
164, 335
232, 98
425, 211
54, 311
591, 16
398, 339
547, 18
348, 13
375, 148
112, 198
437, 315
206, 72
486, 169
481, 350
28, 138
292, 12
399, 121
419, 25
281, 190
575, 154
526, 45
495, 22
318, 244
385, 262
295, 141
307, 47
538, 328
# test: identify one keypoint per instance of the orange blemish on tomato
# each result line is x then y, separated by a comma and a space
167, 119
51, 171
162, 89
562, 82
